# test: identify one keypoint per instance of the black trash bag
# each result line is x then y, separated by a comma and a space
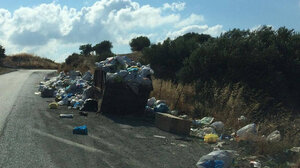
47, 92
90, 105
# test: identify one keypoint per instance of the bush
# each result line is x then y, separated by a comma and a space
2, 53
265, 60
167, 58
74, 58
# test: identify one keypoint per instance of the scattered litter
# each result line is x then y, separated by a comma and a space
158, 136
83, 113
212, 164
47, 92
149, 110
225, 136
220, 144
201, 132
295, 149
184, 116
90, 105
53, 105
217, 159
82, 130
218, 126
274, 136
87, 76
174, 112
211, 138
151, 102
170, 123
255, 164
246, 132
182, 145
242, 118
37, 93
161, 107
157, 102
74, 74
140, 136
209, 130
66, 115
203, 121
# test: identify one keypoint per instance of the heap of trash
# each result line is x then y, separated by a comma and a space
127, 84
121, 69
154, 105
73, 89
125, 81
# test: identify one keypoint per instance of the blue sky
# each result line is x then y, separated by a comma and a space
55, 29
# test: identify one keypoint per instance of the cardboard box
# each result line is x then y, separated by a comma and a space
173, 124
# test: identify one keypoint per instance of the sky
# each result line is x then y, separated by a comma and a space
56, 28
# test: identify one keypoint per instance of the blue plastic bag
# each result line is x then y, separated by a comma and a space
76, 105
162, 107
132, 69
213, 164
70, 95
82, 130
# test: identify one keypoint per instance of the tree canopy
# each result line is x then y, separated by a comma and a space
139, 43
86, 49
264, 59
103, 47
167, 58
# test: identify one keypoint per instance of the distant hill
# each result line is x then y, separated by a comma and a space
135, 56
29, 61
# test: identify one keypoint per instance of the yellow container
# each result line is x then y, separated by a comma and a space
53, 105
211, 138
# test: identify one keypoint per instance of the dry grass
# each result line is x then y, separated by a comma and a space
4, 70
177, 96
83, 65
226, 104
226, 101
30, 61
135, 56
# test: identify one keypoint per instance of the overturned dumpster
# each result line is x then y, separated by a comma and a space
125, 84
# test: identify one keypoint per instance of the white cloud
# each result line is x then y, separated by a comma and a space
257, 27
52, 30
205, 29
192, 19
175, 6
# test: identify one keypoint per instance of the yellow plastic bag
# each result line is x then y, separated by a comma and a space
53, 105
211, 138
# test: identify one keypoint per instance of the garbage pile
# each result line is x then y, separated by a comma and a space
154, 105
208, 130
121, 69
127, 85
214, 132
74, 90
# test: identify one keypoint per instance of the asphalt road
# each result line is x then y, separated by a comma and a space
32, 135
